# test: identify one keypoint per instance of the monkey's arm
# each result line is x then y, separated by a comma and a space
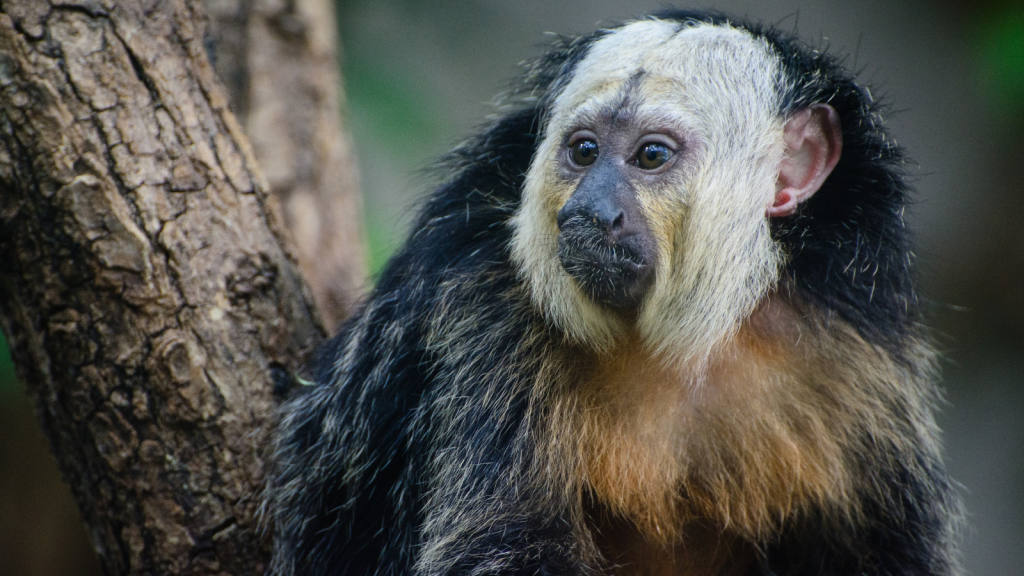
344, 494
906, 512
907, 534
412, 450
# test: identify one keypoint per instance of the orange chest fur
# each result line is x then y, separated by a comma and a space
740, 444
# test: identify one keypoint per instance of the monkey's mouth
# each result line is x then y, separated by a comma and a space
616, 273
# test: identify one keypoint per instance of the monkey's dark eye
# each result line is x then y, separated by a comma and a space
653, 156
584, 152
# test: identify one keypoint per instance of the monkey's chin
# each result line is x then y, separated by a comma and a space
617, 276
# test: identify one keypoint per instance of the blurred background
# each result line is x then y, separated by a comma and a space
419, 76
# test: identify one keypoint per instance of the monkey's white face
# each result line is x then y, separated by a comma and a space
676, 129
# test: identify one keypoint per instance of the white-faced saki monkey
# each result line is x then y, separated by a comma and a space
659, 319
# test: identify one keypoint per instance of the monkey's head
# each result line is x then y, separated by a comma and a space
648, 204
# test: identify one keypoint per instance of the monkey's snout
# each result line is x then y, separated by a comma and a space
606, 217
613, 264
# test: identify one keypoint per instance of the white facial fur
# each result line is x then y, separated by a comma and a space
716, 86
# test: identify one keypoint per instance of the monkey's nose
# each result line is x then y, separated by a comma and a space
602, 214
609, 221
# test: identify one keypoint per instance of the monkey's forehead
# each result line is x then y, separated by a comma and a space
667, 64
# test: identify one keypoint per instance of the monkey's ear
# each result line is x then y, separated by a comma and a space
814, 140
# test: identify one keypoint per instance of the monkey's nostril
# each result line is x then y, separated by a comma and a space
611, 223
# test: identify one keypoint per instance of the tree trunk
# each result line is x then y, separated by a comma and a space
144, 289
277, 60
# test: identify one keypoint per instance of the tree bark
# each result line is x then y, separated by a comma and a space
144, 289
278, 61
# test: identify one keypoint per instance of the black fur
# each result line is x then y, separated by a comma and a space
354, 491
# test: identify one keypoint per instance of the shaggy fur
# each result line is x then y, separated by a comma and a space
767, 409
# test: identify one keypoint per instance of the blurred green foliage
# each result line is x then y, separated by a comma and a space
385, 104
395, 129
1000, 40
9, 385
381, 241
387, 101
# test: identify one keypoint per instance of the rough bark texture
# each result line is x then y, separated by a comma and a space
143, 288
277, 59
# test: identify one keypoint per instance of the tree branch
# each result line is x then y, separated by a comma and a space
278, 62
